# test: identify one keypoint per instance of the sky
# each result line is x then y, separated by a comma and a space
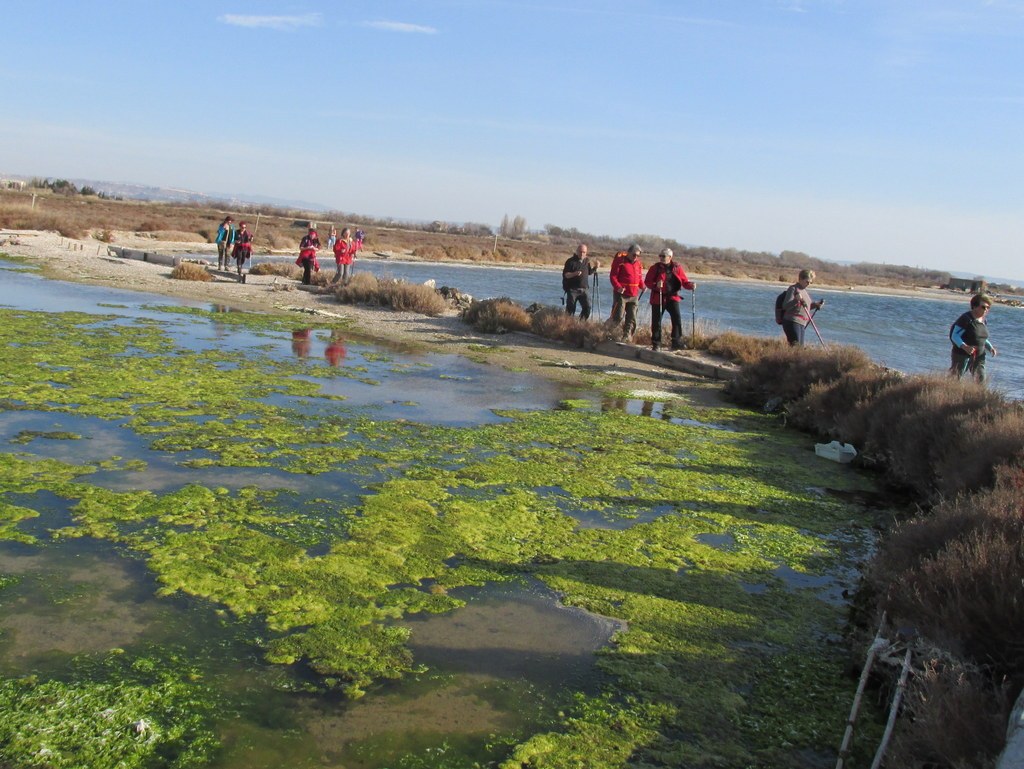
851, 130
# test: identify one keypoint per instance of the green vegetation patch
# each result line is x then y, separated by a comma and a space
663, 524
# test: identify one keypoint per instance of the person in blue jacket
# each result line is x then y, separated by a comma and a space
225, 239
969, 335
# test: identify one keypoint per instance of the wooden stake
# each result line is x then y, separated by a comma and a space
876, 646
894, 711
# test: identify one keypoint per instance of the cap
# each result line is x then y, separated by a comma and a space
635, 248
666, 252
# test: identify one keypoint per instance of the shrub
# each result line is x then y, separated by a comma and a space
277, 268
365, 288
497, 316
954, 718
957, 576
191, 271
741, 348
790, 372
104, 236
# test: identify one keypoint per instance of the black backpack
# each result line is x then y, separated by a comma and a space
779, 312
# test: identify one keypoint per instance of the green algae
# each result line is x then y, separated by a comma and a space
447, 507
135, 713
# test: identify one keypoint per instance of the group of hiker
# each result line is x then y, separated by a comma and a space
233, 244
236, 244
794, 307
665, 279
344, 246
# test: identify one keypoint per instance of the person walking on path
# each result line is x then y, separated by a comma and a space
307, 256
344, 254
627, 279
969, 335
616, 316
797, 308
575, 277
665, 280
360, 236
332, 238
242, 251
225, 240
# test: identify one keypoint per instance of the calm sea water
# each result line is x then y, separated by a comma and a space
906, 333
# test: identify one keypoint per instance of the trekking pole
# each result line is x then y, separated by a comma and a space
815, 327
597, 298
693, 317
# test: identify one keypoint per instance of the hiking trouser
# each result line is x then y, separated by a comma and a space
343, 273
307, 271
627, 308
961, 363
616, 316
672, 308
794, 332
223, 254
574, 295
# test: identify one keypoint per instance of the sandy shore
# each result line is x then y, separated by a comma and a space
88, 261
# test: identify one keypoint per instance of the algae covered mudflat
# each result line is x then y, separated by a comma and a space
267, 497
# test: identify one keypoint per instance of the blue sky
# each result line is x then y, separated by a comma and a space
884, 131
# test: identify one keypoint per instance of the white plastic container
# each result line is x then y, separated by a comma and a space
836, 451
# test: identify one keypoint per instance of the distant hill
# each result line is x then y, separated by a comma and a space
130, 191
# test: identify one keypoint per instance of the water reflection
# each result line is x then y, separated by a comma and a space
335, 351
301, 343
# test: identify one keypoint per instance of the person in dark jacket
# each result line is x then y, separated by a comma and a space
575, 277
665, 280
307, 256
969, 336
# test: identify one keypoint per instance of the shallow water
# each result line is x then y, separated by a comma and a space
905, 333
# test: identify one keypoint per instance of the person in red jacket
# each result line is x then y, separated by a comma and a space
665, 280
307, 255
242, 250
344, 254
627, 278
616, 316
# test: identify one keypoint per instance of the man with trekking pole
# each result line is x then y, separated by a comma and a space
627, 279
798, 310
575, 278
665, 280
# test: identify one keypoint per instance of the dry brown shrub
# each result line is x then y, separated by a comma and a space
552, 323
191, 271
497, 316
365, 288
957, 576
430, 253
954, 718
920, 430
277, 268
741, 348
179, 236
842, 409
789, 373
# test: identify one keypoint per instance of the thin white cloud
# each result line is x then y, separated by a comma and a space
400, 26
273, 22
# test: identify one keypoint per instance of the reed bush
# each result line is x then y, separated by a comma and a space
789, 373
497, 316
191, 271
954, 717
285, 270
365, 288
956, 574
740, 348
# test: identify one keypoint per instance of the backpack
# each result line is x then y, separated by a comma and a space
779, 311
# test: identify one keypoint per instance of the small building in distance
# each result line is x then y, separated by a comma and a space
970, 285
